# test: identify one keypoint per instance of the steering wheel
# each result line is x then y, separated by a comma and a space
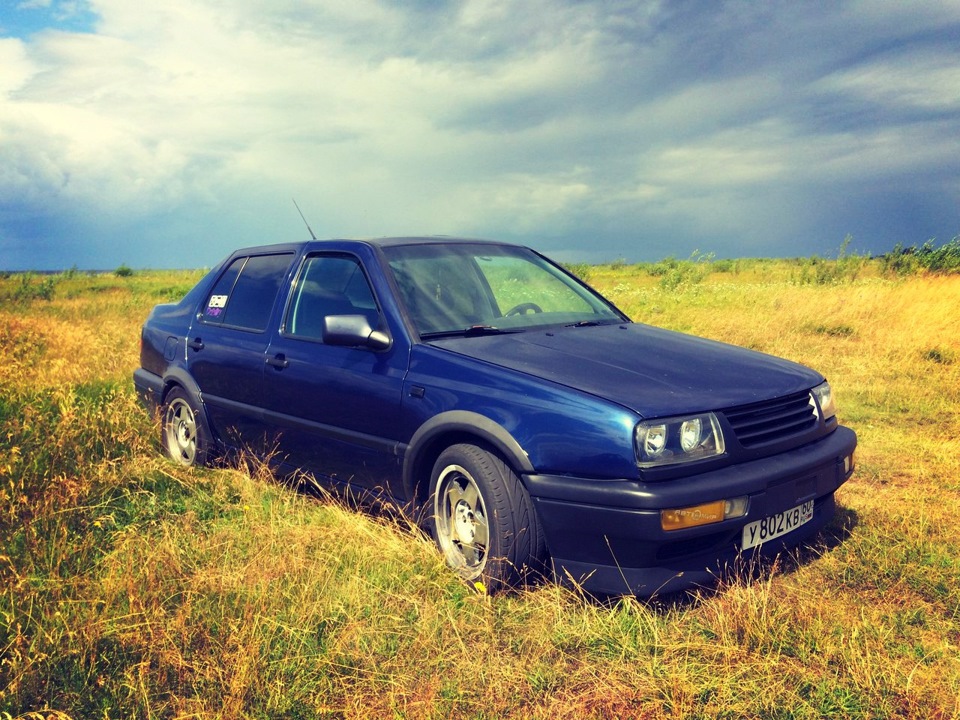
523, 309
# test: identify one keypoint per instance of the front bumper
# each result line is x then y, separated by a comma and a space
605, 535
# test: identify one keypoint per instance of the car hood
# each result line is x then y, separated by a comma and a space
652, 371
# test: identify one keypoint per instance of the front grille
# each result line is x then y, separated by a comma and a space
773, 420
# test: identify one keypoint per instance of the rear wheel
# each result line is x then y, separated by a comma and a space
184, 433
484, 522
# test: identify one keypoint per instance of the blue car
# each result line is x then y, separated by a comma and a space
530, 426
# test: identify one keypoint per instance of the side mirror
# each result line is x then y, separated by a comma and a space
353, 331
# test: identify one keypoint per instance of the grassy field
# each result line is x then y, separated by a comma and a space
132, 588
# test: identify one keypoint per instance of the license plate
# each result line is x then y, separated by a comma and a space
770, 528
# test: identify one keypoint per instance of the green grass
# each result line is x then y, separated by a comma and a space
132, 588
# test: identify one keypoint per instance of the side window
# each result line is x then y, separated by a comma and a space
329, 285
246, 292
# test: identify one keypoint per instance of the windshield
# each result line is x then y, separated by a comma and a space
460, 288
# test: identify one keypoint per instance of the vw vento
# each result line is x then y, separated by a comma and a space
526, 421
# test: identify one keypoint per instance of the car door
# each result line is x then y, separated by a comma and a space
337, 407
227, 343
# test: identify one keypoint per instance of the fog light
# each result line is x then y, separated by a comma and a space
705, 514
737, 507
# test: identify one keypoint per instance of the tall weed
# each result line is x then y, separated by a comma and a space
929, 257
25, 287
846, 268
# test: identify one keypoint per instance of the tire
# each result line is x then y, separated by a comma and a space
483, 519
183, 432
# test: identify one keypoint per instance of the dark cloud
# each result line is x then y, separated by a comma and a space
604, 129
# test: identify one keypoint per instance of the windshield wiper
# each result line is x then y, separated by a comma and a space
471, 331
585, 323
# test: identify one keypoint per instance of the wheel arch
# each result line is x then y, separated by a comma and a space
450, 428
177, 377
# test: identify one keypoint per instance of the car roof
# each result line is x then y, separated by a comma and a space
378, 242
417, 240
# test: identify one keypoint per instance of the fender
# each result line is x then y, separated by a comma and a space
179, 376
459, 423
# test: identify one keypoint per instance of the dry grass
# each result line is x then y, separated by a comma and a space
131, 588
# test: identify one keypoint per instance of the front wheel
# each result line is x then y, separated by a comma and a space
484, 522
184, 433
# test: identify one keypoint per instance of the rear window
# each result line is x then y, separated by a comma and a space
245, 294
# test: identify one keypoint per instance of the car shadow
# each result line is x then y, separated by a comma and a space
747, 570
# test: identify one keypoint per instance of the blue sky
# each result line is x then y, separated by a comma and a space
166, 135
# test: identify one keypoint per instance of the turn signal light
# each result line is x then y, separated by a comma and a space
705, 514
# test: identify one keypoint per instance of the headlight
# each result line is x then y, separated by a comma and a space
824, 396
678, 440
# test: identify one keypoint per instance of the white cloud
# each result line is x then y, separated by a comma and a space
922, 82
15, 67
479, 117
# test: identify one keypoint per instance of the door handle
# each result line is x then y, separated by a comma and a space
195, 344
278, 361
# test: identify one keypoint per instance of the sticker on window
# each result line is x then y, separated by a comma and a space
216, 305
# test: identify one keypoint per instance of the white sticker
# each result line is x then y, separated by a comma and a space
218, 301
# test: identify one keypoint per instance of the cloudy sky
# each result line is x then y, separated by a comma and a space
167, 134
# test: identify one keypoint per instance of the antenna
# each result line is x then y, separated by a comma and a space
304, 219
